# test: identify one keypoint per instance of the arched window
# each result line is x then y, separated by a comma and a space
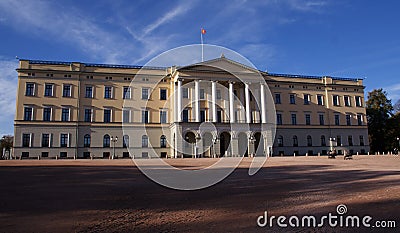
280, 141
125, 141
106, 140
295, 141
163, 141
323, 141
309, 140
145, 141
86, 140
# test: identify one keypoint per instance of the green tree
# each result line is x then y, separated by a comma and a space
379, 111
6, 142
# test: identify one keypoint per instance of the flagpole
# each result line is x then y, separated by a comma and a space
202, 46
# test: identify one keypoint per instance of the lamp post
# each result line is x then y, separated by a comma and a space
331, 140
196, 148
252, 140
114, 140
398, 140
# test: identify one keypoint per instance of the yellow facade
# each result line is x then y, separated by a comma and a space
67, 109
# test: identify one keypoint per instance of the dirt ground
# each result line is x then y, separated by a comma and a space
114, 196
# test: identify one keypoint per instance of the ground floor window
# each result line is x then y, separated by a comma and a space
125, 155
63, 154
45, 154
145, 154
86, 155
106, 154
25, 154
163, 154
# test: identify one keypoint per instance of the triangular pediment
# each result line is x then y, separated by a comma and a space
222, 64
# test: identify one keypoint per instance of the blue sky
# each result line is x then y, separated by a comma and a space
346, 38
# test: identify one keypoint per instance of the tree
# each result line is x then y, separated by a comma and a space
6, 142
379, 111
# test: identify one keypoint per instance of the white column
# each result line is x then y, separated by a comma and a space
247, 100
214, 101
231, 100
196, 101
263, 107
179, 101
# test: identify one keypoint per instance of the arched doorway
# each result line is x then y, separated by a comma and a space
259, 144
208, 146
225, 141
190, 142
243, 145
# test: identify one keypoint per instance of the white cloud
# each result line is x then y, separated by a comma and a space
307, 5
8, 92
65, 24
393, 92
176, 11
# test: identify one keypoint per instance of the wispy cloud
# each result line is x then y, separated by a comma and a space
176, 11
8, 92
307, 5
66, 24
393, 92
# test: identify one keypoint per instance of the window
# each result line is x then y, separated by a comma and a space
308, 119
203, 115
321, 119
46, 113
163, 116
126, 115
306, 99
294, 119
280, 141
45, 154
163, 94
64, 140
45, 140
107, 115
337, 119
163, 141
320, 99
106, 140
30, 89
358, 101
67, 90
279, 119
202, 95
336, 100
219, 94
295, 141
28, 113
127, 93
107, 92
48, 89
65, 114
347, 102
89, 92
350, 140
145, 93
145, 116
145, 154
277, 98
339, 140
361, 140
185, 115
26, 140
348, 119
292, 99
309, 140
145, 141
185, 93
323, 140
125, 141
359, 119
86, 140
88, 115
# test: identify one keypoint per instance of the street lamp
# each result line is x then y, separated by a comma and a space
398, 140
114, 140
331, 140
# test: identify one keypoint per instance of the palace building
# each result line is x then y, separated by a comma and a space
209, 109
